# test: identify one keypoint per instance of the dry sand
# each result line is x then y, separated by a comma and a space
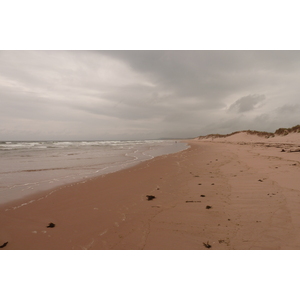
225, 193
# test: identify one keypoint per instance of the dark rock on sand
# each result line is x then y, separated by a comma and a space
51, 225
150, 197
208, 207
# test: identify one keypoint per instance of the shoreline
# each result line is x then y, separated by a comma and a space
42, 194
29, 203
209, 196
34, 171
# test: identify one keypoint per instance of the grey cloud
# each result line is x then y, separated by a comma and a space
288, 109
188, 73
143, 94
247, 103
210, 74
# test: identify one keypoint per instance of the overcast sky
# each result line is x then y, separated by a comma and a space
70, 95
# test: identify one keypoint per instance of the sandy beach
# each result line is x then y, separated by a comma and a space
239, 192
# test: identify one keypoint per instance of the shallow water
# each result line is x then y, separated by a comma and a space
30, 167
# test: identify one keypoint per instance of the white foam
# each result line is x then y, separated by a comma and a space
104, 232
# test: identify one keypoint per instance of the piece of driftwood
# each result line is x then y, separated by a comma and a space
295, 150
2, 246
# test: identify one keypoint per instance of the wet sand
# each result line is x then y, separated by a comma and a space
214, 195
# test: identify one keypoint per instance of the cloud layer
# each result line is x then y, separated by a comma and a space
145, 94
247, 103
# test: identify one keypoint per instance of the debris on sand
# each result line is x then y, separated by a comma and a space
191, 201
207, 245
51, 225
208, 206
150, 197
2, 246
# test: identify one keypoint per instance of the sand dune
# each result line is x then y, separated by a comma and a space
288, 136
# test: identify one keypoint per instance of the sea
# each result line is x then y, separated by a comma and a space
35, 166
